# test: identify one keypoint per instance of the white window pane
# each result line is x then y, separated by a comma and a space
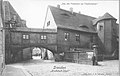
27, 36
10, 26
44, 37
67, 34
23, 36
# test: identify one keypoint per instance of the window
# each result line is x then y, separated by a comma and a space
48, 23
100, 28
10, 25
25, 36
43, 37
66, 36
77, 37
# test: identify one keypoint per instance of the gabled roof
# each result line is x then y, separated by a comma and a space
8, 8
69, 20
105, 16
10, 12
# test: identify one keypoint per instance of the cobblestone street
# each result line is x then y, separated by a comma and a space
51, 68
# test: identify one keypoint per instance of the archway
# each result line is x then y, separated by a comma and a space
26, 53
42, 53
36, 53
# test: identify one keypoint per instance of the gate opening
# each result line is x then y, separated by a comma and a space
42, 53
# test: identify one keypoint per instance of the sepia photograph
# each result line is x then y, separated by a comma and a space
59, 38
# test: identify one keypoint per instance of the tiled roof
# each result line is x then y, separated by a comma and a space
105, 16
68, 20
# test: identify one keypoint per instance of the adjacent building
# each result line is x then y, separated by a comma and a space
11, 21
2, 41
79, 32
107, 30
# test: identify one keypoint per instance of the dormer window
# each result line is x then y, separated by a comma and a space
65, 14
83, 26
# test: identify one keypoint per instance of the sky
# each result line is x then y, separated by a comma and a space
34, 11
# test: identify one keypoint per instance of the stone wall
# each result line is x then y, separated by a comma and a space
79, 57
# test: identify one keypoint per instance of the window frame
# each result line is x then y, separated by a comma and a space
48, 23
100, 27
43, 37
25, 36
66, 36
77, 37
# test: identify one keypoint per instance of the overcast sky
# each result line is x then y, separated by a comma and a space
34, 11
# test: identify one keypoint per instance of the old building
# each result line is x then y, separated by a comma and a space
68, 35
11, 21
78, 32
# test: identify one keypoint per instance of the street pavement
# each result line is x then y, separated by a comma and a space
12, 71
51, 68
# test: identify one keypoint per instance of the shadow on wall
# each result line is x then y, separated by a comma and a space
27, 53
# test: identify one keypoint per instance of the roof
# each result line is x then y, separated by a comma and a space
10, 13
68, 20
10, 9
25, 29
105, 16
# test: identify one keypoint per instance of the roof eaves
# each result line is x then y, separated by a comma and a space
87, 31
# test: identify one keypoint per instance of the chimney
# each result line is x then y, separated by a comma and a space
99, 16
58, 6
79, 12
71, 10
